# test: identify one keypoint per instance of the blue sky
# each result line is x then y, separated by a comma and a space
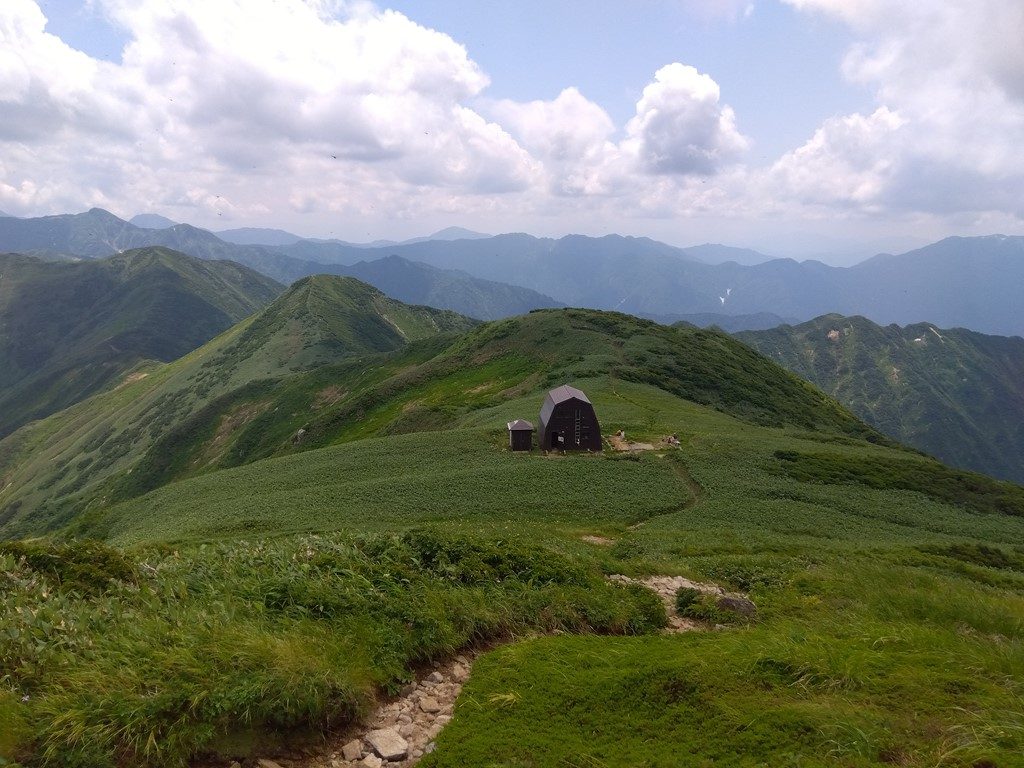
779, 70
832, 128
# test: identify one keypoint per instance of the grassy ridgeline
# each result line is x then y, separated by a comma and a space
891, 623
109, 658
246, 395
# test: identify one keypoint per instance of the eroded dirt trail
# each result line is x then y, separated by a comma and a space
666, 587
401, 731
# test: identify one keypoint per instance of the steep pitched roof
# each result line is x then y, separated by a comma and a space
520, 425
565, 392
559, 395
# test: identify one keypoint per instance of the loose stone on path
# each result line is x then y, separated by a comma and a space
388, 743
352, 751
429, 704
400, 732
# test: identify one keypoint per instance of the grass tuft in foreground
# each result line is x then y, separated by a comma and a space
195, 649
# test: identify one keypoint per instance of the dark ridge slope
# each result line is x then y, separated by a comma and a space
70, 329
954, 393
55, 468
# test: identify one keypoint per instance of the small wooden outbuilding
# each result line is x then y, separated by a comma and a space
568, 422
520, 435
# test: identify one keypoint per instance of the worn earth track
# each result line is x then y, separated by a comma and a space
397, 734
401, 731
695, 489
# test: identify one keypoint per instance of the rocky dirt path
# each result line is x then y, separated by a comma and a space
398, 733
401, 731
666, 587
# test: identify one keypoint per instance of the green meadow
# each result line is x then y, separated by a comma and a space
227, 585
282, 597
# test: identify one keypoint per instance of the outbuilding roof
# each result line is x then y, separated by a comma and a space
559, 395
520, 425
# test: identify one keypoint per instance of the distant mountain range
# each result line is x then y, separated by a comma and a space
69, 329
728, 323
713, 253
256, 236
151, 221
448, 234
280, 237
965, 282
97, 233
956, 394
418, 283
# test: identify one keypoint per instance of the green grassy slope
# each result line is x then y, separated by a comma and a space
68, 330
323, 319
890, 629
504, 360
246, 396
52, 469
890, 621
285, 591
956, 394
464, 477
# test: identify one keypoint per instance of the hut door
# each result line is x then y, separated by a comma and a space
576, 426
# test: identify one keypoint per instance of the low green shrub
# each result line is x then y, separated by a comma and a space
471, 562
980, 554
745, 576
12, 727
88, 567
974, 491
705, 608
685, 597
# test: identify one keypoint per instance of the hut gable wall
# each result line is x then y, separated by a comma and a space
568, 422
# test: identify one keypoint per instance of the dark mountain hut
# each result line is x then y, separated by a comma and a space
520, 435
568, 422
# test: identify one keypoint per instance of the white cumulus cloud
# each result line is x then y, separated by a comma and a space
681, 127
573, 138
680, 130
253, 104
847, 162
948, 79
